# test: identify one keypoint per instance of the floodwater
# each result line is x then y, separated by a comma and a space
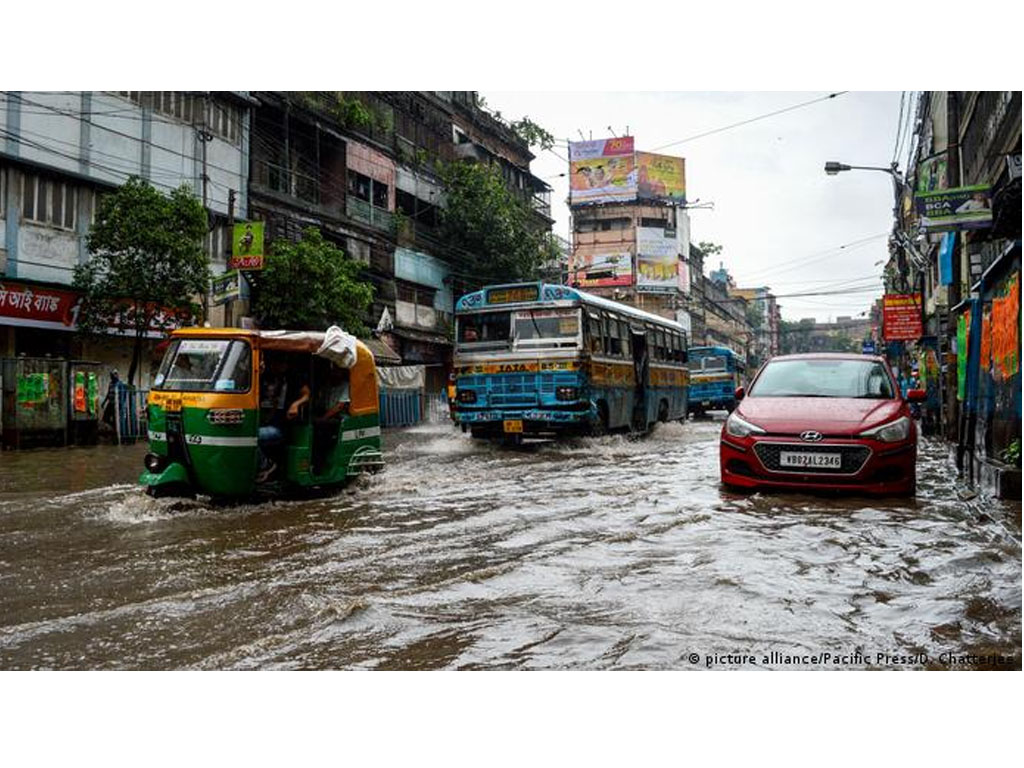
592, 554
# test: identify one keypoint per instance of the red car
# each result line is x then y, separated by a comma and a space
824, 422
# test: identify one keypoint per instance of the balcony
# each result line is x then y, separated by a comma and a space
370, 215
542, 203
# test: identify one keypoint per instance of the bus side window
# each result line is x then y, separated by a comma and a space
615, 340
594, 329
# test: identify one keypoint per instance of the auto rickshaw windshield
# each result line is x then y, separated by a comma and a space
205, 365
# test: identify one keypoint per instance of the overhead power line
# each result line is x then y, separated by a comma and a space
750, 120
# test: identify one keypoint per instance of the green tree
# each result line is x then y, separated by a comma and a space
310, 285
532, 133
709, 249
147, 267
492, 231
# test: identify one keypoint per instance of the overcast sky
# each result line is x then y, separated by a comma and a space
774, 206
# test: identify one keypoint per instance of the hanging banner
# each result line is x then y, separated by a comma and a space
660, 177
932, 174
657, 260
226, 287
946, 258
602, 171
955, 209
901, 317
604, 269
247, 246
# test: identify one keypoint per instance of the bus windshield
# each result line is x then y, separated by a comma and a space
205, 365
547, 327
487, 329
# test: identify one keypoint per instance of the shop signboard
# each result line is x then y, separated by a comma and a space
660, 177
38, 306
604, 269
226, 287
247, 246
602, 171
947, 210
901, 317
657, 260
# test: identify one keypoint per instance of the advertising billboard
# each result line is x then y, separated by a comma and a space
901, 317
660, 177
955, 209
247, 246
602, 171
612, 268
657, 260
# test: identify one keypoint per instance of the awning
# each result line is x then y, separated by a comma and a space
382, 353
426, 336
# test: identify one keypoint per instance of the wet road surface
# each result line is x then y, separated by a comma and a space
590, 554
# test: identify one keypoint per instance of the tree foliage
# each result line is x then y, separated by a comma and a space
492, 231
147, 267
532, 134
310, 285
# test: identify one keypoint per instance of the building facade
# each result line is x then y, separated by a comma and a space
966, 269
59, 151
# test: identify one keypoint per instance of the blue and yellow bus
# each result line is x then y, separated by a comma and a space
715, 372
541, 360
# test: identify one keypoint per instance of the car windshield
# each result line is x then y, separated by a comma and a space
823, 378
205, 365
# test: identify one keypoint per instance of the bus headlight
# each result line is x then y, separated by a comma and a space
467, 396
567, 393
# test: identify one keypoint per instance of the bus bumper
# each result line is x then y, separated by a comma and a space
528, 422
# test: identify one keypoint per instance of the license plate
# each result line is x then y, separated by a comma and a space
812, 460
513, 425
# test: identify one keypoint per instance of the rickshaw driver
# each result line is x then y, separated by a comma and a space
274, 388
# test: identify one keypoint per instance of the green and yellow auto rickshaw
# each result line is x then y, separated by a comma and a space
219, 393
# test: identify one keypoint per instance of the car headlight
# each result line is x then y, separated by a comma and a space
893, 432
737, 427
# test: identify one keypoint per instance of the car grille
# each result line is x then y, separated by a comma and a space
853, 457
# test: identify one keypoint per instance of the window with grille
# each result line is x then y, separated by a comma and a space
45, 200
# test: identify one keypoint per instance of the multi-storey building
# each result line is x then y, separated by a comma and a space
59, 151
363, 167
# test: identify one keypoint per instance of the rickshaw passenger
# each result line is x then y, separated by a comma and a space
275, 391
332, 403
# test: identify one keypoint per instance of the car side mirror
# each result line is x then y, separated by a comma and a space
917, 395
740, 392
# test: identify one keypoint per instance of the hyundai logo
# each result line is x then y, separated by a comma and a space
810, 436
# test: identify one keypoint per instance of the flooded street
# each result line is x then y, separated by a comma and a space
591, 554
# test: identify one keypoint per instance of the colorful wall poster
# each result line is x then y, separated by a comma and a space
660, 177
602, 171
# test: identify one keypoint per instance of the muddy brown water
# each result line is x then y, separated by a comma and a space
589, 554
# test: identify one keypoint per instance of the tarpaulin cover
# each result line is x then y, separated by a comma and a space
402, 376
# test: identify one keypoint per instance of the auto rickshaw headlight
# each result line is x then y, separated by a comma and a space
154, 463
225, 416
